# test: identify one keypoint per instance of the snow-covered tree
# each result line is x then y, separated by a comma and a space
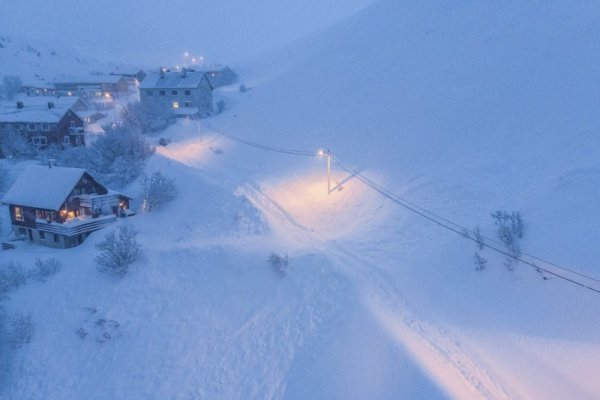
147, 117
14, 145
10, 86
118, 250
157, 190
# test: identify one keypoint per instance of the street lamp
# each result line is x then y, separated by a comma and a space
322, 152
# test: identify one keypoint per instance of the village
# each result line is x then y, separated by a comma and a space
38, 120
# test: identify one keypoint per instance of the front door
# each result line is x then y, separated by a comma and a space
30, 234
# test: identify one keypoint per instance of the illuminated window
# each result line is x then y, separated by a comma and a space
175, 104
19, 214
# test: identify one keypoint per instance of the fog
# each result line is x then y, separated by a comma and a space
160, 32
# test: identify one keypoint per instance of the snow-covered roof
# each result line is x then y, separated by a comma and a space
87, 79
172, 80
35, 109
39, 186
210, 68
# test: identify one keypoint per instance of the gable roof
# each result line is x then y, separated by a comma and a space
87, 80
173, 80
35, 109
57, 183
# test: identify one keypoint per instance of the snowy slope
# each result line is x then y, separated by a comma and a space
463, 109
37, 62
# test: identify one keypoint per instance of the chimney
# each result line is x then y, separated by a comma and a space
161, 71
51, 162
20, 105
50, 105
183, 72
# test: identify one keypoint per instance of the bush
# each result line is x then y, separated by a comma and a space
44, 269
19, 329
243, 88
157, 190
480, 262
12, 276
147, 117
14, 145
510, 230
278, 263
119, 250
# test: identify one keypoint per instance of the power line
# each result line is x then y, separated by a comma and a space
398, 200
437, 219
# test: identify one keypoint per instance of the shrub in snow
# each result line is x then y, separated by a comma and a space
243, 88
510, 229
44, 268
12, 276
147, 117
157, 190
10, 87
480, 262
14, 145
118, 250
19, 329
279, 263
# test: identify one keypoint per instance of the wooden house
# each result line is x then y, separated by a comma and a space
59, 207
44, 121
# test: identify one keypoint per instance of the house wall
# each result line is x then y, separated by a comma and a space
200, 97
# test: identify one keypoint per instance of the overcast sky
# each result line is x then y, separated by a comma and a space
158, 32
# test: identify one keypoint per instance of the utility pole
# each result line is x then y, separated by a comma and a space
328, 172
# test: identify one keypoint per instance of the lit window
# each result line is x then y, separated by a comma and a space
175, 104
19, 214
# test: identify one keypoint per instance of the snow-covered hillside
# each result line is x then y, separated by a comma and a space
38, 63
463, 109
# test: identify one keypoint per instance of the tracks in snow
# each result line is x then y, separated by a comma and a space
454, 367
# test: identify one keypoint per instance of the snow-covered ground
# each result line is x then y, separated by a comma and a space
463, 110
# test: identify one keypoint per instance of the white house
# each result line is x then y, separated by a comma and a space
186, 92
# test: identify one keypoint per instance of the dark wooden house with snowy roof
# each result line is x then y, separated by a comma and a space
60, 207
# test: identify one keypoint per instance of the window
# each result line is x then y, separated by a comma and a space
149, 93
72, 124
188, 104
162, 92
42, 235
39, 141
56, 238
45, 126
19, 214
66, 140
31, 127
188, 92
175, 104
174, 92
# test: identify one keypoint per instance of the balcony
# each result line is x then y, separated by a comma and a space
75, 226
76, 130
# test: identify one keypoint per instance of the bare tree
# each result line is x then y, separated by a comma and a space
11, 86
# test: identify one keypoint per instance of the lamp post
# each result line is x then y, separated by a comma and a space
328, 153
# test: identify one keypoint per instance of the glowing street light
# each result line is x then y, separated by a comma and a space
322, 152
